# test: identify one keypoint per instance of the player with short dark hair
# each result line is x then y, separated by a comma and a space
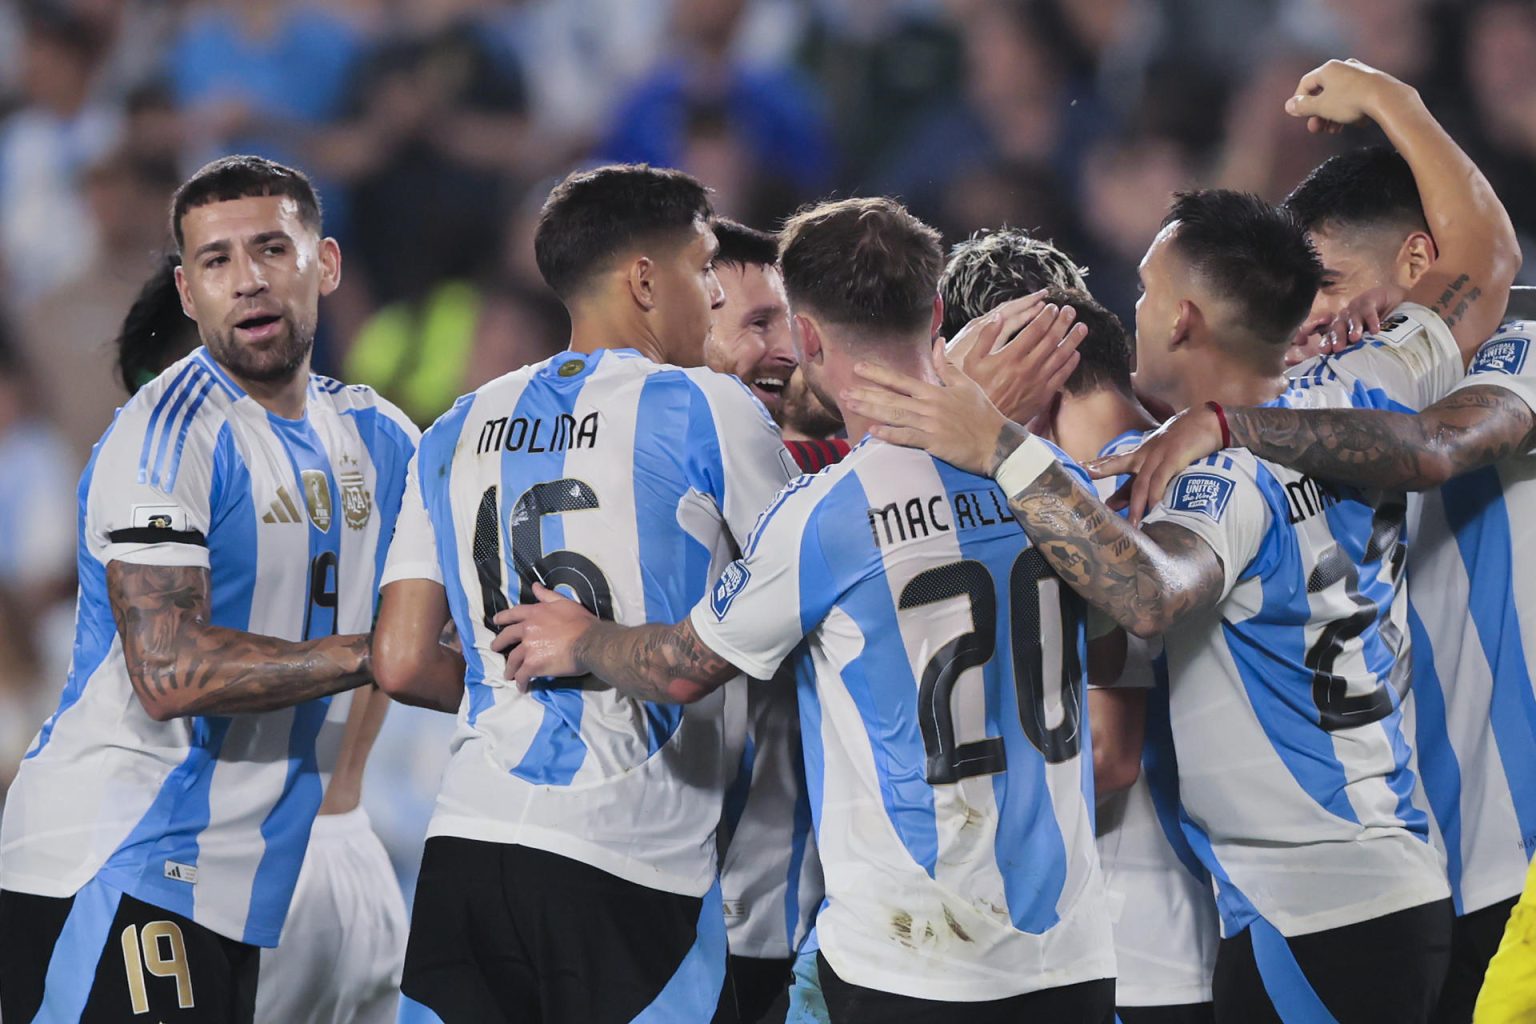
570, 869
230, 523
1274, 593
952, 814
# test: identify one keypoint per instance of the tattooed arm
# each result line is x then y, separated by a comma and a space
180, 665
1468, 429
1145, 580
558, 637
1478, 252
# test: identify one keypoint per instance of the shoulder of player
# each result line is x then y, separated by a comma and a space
187, 404
725, 392
352, 399
1507, 351
1208, 485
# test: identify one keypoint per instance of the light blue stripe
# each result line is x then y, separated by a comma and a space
693, 991
186, 428
157, 474
1438, 765
838, 556
807, 1005
1160, 767
558, 750
434, 468
800, 837
166, 398
1284, 982
1028, 846
95, 628
735, 804
1475, 510
232, 542
78, 949
412, 1012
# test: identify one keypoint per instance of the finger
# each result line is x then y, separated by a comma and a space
1112, 465
887, 408
1138, 503
1294, 355
1061, 374
904, 436
509, 637
515, 658
1372, 317
897, 381
1121, 498
547, 596
513, 614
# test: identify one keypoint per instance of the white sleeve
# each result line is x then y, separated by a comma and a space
1413, 360
1503, 361
758, 610
150, 500
1219, 503
413, 550
754, 464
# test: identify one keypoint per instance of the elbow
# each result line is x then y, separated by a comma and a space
688, 691
1146, 625
1114, 771
158, 701
396, 672
1437, 467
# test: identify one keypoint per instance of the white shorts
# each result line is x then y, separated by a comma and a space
343, 945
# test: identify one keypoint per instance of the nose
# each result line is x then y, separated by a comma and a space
250, 276
716, 292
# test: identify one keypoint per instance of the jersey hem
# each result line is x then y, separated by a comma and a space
561, 844
1155, 995
1485, 896
1292, 925
971, 990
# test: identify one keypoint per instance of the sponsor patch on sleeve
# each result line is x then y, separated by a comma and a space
1204, 493
159, 517
1502, 354
730, 583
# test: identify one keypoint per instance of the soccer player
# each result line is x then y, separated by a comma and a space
230, 526
1474, 637
570, 868
770, 877
343, 941
1274, 592
941, 703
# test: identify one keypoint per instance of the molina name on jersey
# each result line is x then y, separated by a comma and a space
208, 816
628, 484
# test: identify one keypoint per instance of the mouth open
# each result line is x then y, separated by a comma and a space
769, 389
260, 328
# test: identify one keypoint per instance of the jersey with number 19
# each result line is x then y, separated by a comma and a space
942, 725
208, 816
628, 484
1285, 698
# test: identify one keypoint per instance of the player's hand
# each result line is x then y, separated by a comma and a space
1164, 454
1021, 354
539, 639
954, 421
1340, 92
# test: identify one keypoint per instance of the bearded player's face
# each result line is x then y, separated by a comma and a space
252, 275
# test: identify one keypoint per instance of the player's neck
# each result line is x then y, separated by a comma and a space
596, 330
1084, 424
917, 365
1232, 383
285, 398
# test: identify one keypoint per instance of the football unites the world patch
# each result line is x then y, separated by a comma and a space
1203, 493
1502, 354
730, 583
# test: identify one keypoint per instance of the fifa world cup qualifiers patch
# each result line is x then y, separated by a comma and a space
1502, 354
730, 583
1204, 493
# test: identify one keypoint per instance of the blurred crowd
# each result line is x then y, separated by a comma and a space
434, 129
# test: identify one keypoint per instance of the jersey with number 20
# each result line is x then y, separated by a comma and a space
947, 755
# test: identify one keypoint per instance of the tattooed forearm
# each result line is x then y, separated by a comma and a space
666, 664
1145, 581
1466, 430
1008, 440
180, 665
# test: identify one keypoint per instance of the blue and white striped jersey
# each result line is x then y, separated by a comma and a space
770, 875
629, 484
1160, 899
1474, 645
209, 816
942, 724
1292, 750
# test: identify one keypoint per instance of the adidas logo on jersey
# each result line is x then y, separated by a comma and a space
180, 872
283, 510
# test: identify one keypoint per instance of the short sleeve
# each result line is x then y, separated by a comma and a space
1220, 503
1504, 361
413, 549
753, 464
150, 500
765, 602
1413, 361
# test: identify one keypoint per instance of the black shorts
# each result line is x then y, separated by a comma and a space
101, 957
1389, 968
510, 933
1181, 1013
1475, 938
1089, 1002
759, 983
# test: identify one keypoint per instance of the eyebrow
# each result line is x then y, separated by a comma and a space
769, 309
222, 244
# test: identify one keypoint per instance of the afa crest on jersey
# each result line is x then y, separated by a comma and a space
1203, 493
